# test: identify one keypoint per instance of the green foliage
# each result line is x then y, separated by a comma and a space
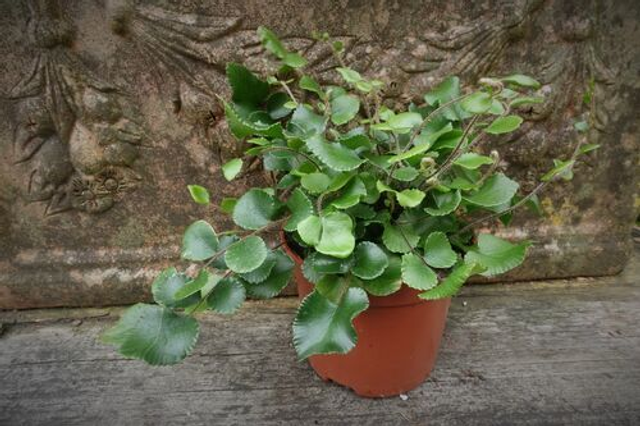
373, 197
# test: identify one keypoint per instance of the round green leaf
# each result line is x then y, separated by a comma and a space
246, 255
310, 230
389, 282
199, 194
199, 241
276, 281
394, 241
254, 210
410, 197
337, 237
504, 125
227, 296
370, 261
405, 174
447, 202
315, 182
416, 274
438, 252
323, 327
154, 334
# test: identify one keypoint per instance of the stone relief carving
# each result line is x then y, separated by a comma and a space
76, 135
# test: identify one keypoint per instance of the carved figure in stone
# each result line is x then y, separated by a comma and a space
73, 128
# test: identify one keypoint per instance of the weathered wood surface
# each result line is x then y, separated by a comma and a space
539, 353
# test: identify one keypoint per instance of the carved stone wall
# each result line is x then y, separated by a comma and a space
107, 113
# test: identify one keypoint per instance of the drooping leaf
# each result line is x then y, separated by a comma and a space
255, 209
404, 122
497, 255
350, 195
154, 334
446, 203
199, 241
305, 123
273, 44
247, 88
193, 286
300, 207
246, 255
450, 286
522, 80
526, 100
423, 144
337, 237
227, 296
199, 194
472, 161
334, 155
323, 327
323, 264
416, 274
166, 286
349, 75
389, 282
276, 281
497, 190
370, 261
277, 106
446, 91
438, 252
310, 230
344, 108
333, 287
231, 169
504, 125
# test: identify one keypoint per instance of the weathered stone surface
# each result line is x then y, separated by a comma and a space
108, 112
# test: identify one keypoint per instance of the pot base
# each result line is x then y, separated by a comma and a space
396, 350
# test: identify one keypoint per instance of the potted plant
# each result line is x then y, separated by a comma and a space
376, 210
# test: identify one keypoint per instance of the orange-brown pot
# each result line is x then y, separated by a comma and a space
398, 340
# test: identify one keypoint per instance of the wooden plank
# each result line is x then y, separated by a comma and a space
543, 353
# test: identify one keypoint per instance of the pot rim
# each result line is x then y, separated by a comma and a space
405, 296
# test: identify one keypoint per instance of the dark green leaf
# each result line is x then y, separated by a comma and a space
438, 252
247, 88
336, 156
305, 122
276, 281
315, 183
255, 209
166, 286
300, 207
370, 261
389, 282
276, 106
227, 296
309, 84
333, 287
446, 203
394, 241
416, 274
193, 286
154, 334
322, 327
262, 272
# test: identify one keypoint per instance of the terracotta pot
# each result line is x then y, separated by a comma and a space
398, 340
